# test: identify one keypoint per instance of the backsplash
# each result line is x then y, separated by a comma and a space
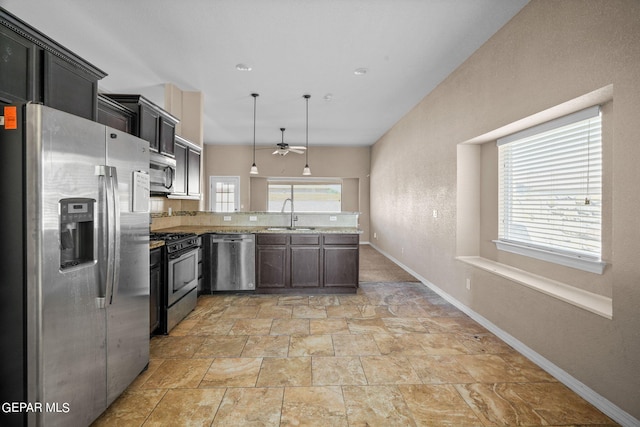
252, 219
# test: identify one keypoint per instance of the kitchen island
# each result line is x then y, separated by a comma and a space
307, 260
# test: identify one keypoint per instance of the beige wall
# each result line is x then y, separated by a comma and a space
550, 53
188, 107
351, 163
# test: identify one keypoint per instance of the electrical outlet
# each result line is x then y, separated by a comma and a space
226, 218
468, 284
402, 251
253, 218
333, 218
435, 213
375, 235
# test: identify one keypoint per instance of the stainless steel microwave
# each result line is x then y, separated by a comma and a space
162, 173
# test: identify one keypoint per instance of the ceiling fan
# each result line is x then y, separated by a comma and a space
282, 148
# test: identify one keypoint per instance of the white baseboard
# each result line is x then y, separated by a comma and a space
606, 406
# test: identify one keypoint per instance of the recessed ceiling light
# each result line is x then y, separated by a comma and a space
328, 97
243, 67
360, 71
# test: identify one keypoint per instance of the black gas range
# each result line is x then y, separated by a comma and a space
180, 293
175, 242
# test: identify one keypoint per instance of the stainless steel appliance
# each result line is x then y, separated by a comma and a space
179, 295
162, 171
75, 284
231, 262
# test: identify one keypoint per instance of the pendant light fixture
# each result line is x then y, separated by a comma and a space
307, 171
254, 168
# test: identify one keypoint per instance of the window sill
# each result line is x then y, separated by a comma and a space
585, 264
598, 304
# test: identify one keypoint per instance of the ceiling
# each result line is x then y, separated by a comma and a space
293, 47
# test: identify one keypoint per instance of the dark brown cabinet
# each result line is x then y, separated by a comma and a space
115, 115
19, 61
272, 261
306, 260
180, 178
35, 68
151, 122
200, 265
187, 179
193, 174
314, 263
166, 137
341, 259
148, 124
155, 285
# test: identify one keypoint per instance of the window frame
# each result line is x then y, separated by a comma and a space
213, 180
563, 256
292, 182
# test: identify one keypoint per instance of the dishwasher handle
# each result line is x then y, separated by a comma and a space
231, 239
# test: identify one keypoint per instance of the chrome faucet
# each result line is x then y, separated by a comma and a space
292, 218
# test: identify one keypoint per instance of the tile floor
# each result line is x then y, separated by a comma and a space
395, 354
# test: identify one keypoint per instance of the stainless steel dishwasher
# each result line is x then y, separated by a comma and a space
230, 262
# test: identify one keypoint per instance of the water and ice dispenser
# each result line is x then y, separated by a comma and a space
76, 232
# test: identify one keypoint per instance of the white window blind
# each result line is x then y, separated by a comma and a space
550, 183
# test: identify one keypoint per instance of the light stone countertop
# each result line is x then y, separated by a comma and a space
204, 229
153, 244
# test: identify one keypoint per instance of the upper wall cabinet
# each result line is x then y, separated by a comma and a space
35, 68
151, 122
187, 180
115, 115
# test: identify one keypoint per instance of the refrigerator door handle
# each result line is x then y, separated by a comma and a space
110, 241
115, 227
104, 246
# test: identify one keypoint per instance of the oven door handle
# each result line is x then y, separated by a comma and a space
182, 254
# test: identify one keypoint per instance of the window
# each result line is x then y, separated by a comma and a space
224, 193
550, 191
325, 196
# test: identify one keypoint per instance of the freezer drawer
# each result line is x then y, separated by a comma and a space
230, 262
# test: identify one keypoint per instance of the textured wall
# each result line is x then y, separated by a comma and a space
551, 52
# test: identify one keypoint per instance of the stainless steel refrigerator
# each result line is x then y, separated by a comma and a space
74, 293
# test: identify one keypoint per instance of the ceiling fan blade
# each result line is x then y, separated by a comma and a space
297, 147
295, 150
